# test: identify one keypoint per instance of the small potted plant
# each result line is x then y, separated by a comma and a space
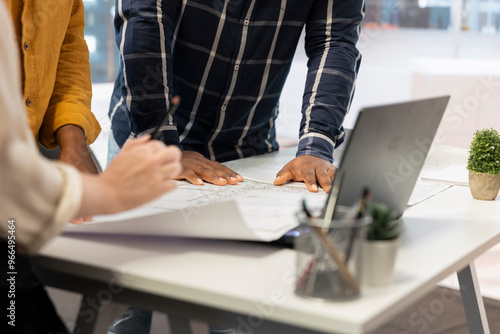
484, 164
380, 245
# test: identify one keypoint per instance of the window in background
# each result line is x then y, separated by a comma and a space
422, 48
99, 34
475, 15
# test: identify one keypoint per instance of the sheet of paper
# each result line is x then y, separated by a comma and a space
263, 168
452, 174
424, 190
219, 220
247, 211
446, 164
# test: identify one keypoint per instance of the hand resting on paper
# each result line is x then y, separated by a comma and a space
309, 169
196, 169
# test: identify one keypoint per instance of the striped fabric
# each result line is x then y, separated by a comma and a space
228, 61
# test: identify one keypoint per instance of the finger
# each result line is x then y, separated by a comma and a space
309, 178
232, 173
136, 141
225, 173
324, 179
168, 186
190, 176
76, 221
332, 172
143, 138
156, 147
234, 177
283, 176
169, 154
206, 173
171, 170
88, 219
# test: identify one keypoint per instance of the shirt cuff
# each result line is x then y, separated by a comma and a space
64, 114
67, 207
316, 144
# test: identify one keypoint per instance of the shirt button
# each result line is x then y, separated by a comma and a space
26, 46
236, 67
223, 108
28, 101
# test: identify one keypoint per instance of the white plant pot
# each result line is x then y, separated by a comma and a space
377, 262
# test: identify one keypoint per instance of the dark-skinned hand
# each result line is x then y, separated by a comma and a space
197, 169
308, 169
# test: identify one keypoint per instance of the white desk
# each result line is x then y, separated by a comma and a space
239, 284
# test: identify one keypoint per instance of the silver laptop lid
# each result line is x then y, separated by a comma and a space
387, 149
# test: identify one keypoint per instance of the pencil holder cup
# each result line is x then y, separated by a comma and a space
328, 260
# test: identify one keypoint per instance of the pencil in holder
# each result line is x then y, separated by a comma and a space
328, 260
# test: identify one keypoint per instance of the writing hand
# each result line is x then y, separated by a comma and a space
142, 171
309, 169
196, 169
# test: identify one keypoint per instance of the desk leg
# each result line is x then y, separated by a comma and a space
179, 325
472, 300
94, 318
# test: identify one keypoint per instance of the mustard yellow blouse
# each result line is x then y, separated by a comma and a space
55, 66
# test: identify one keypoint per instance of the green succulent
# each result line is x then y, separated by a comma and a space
484, 152
385, 225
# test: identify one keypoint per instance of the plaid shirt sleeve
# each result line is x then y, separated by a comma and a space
332, 31
144, 34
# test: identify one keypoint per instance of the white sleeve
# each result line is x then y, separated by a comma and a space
39, 195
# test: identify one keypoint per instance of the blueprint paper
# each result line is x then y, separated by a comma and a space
263, 168
248, 211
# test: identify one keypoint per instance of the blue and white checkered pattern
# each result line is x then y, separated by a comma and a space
228, 61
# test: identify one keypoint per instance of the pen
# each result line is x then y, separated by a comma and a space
334, 254
176, 100
362, 203
306, 209
361, 207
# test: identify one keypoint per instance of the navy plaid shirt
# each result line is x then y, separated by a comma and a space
228, 61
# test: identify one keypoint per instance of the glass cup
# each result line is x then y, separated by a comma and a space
328, 259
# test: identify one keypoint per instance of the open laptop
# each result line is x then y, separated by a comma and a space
386, 151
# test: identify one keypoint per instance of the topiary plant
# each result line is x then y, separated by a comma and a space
484, 152
385, 225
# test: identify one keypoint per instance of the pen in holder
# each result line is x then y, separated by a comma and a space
322, 269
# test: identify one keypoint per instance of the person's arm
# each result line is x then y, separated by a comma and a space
41, 196
145, 43
144, 34
68, 121
331, 35
32, 195
74, 150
